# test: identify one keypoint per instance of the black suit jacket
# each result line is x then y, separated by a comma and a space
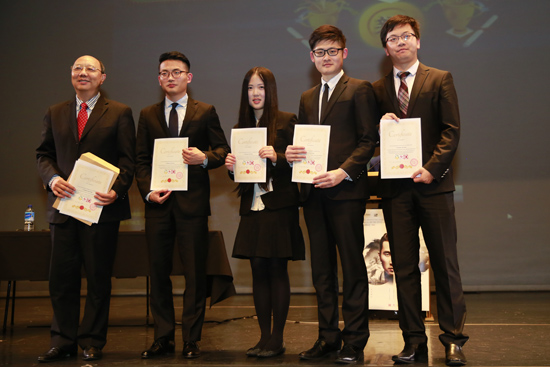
202, 126
353, 116
433, 99
109, 134
285, 192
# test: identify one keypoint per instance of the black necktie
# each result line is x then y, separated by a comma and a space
173, 121
324, 102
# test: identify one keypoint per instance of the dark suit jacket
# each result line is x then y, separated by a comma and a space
285, 192
202, 126
109, 134
433, 99
353, 116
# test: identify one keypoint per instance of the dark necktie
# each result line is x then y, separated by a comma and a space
82, 119
324, 102
173, 121
403, 94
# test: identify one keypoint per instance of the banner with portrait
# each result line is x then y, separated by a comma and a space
377, 254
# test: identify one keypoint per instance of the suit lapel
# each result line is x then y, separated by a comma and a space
421, 75
189, 114
314, 117
161, 118
390, 89
340, 87
99, 110
70, 115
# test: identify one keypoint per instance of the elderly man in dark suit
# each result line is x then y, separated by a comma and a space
426, 199
334, 205
87, 123
178, 216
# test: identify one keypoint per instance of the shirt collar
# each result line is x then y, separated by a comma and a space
182, 101
332, 82
412, 70
90, 103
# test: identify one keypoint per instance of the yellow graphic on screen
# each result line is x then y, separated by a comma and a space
315, 13
374, 17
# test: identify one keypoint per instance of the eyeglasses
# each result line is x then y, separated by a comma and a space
77, 69
405, 37
319, 52
176, 73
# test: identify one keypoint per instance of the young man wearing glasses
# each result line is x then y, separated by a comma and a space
179, 217
334, 204
425, 199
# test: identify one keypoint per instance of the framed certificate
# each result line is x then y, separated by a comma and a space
245, 145
315, 138
400, 148
169, 172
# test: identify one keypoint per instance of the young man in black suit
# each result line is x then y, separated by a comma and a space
179, 216
334, 205
426, 199
87, 123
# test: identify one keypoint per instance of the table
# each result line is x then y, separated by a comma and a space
26, 256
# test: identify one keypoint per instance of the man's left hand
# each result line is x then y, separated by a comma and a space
422, 176
193, 156
105, 199
329, 179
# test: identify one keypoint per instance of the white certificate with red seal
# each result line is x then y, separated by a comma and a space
245, 146
316, 139
400, 148
88, 179
168, 171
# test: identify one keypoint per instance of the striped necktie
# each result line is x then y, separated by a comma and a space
403, 94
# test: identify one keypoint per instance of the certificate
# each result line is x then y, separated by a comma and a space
315, 138
169, 172
400, 148
246, 145
88, 179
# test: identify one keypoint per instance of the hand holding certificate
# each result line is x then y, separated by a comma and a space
400, 148
315, 139
169, 172
90, 175
245, 146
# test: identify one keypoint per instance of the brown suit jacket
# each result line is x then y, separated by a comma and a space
202, 126
109, 134
433, 99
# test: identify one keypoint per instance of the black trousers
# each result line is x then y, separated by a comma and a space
404, 214
75, 244
338, 224
191, 236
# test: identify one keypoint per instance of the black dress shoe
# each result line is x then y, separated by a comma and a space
412, 353
253, 352
160, 347
454, 356
91, 353
191, 350
320, 349
272, 353
349, 354
55, 354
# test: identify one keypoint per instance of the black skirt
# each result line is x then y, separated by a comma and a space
270, 234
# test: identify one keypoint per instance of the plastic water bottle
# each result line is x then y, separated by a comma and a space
29, 219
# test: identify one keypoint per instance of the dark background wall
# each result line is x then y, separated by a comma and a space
498, 64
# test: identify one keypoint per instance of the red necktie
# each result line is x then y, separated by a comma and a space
403, 94
82, 119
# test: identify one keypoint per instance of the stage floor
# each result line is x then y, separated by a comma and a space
505, 329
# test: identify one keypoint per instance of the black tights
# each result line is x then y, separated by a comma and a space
271, 289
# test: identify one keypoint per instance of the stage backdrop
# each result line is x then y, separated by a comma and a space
497, 51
